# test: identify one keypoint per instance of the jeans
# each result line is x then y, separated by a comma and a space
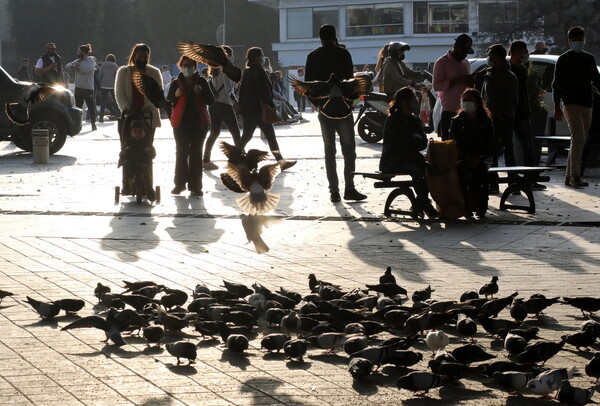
86, 95
250, 124
345, 129
525, 137
221, 113
444, 127
188, 157
579, 119
107, 99
300, 101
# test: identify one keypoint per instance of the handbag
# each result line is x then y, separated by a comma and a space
269, 115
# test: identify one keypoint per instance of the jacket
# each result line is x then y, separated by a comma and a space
500, 92
328, 59
396, 75
52, 76
108, 74
403, 139
124, 91
474, 138
84, 77
255, 91
573, 77
223, 88
200, 100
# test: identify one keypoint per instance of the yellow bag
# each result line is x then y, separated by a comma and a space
442, 180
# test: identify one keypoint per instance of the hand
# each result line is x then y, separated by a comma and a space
52, 66
558, 114
178, 92
197, 88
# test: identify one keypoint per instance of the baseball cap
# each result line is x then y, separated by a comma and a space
465, 41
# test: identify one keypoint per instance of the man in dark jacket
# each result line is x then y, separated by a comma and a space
49, 67
575, 72
320, 64
501, 96
23, 73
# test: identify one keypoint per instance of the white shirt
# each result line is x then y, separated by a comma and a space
40, 63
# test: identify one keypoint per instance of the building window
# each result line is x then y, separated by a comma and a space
494, 16
305, 22
432, 17
382, 19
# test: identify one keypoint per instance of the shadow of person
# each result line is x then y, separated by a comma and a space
158, 401
261, 387
130, 235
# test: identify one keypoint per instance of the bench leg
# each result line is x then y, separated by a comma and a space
525, 188
406, 191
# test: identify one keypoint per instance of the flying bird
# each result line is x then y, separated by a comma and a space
335, 97
254, 183
152, 90
18, 112
211, 55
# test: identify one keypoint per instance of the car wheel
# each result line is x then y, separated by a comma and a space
367, 132
56, 130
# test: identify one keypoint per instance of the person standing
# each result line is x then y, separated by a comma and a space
501, 95
396, 74
190, 95
320, 64
540, 49
451, 77
106, 76
48, 68
166, 77
300, 100
22, 73
84, 67
221, 111
574, 74
256, 91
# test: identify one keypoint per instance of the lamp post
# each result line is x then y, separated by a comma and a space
224, 16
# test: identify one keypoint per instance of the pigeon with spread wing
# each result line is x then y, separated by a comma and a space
237, 156
335, 97
152, 90
18, 112
255, 184
211, 55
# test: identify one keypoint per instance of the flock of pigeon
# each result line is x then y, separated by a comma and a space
375, 326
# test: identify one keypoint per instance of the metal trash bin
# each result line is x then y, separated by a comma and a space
41, 146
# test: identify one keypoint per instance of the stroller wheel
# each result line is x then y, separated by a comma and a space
157, 194
117, 193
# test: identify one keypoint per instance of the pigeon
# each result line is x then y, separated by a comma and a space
183, 349
253, 227
442, 356
585, 304
18, 112
71, 306
313, 283
468, 295
528, 334
539, 352
274, 315
574, 396
115, 323
549, 381
101, 290
387, 276
154, 335
5, 293
448, 369
239, 290
295, 296
150, 88
206, 328
360, 368
388, 289
490, 288
378, 353
537, 303
592, 368
201, 289
492, 326
274, 342
383, 301
465, 326
355, 344
436, 340
514, 344
211, 55
422, 294
295, 349
173, 297
354, 328
402, 358
470, 353
291, 323
131, 286
237, 343
584, 338
334, 97
518, 311
240, 318
331, 342
512, 381
149, 291
254, 183
492, 307
47, 311
420, 382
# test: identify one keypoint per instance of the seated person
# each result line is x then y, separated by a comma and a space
403, 139
136, 158
473, 131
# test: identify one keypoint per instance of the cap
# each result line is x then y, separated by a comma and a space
465, 41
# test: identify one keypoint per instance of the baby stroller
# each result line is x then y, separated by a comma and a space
136, 158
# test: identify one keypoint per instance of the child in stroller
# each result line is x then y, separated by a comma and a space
136, 158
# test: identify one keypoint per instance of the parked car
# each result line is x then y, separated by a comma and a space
544, 68
57, 114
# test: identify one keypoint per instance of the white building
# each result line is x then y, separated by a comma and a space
365, 26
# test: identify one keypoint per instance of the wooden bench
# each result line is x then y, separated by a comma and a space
401, 188
555, 143
519, 179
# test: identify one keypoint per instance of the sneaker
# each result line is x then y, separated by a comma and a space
209, 166
538, 186
335, 197
177, 190
194, 192
353, 194
576, 182
286, 164
151, 195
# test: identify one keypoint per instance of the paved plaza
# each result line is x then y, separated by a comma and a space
62, 233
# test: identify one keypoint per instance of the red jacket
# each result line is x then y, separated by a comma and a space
179, 106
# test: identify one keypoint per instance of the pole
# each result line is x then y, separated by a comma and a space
224, 15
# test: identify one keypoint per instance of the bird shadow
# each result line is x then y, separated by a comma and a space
154, 350
67, 317
274, 356
365, 386
43, 323
518, 400
457, 391
208, 342
158, 401
110, 350
2, 307
333, 359
183, 370
297, 365
236, 359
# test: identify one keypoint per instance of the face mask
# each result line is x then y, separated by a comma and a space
488, 61
263, 60
577, 46
469, 106
140, 64
188, 71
